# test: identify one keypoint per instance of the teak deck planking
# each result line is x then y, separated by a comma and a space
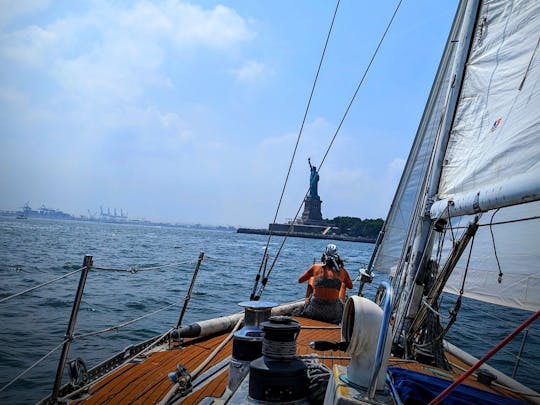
146, 381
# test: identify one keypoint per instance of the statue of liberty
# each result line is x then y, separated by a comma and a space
313, 181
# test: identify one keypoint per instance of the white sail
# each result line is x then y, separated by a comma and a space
493, 155
516, 245
491, 161
412, 181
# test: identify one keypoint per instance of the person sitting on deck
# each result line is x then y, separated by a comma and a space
325, 280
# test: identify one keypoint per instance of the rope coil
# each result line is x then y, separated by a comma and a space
279, 350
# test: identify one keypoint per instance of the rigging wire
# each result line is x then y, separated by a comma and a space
344, 116
457, 306
297, 143
41, 285
33, 365
510, 221
361, 82
119, 326
137, 270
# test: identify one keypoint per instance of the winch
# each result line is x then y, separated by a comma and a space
279, 376
247, 342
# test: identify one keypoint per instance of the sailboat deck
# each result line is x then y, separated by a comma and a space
146, 381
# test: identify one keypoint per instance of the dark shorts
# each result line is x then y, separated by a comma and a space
323, 310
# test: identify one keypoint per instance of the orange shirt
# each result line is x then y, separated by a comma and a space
327, 283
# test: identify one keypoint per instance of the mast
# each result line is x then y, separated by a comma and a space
410, 298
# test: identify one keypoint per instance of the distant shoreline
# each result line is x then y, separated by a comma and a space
306, 235
68, 217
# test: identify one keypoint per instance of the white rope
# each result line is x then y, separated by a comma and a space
174, 390
425, 303
40, 285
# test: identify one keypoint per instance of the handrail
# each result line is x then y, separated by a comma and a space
381, 343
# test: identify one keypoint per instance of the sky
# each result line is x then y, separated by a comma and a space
189, 112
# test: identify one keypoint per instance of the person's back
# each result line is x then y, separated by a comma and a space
328, 281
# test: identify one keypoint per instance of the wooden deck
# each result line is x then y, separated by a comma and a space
146, 381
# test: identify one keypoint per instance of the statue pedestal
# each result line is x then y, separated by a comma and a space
312, 211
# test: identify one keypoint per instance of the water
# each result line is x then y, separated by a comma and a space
34, 251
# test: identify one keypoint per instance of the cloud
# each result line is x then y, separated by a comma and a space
10, 9
29, 46
395, 168
278, 141
251, 72
116, 53
106, 68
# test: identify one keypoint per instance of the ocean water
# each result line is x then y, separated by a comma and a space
35, 251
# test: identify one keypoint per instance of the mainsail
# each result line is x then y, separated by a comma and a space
487, 162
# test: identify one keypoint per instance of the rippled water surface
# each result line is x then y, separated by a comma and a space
35, 251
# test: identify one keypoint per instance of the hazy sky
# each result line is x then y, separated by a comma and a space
189, 111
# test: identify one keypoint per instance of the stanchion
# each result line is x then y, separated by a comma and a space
87, 264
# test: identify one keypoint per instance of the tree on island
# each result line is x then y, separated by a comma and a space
368, 228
